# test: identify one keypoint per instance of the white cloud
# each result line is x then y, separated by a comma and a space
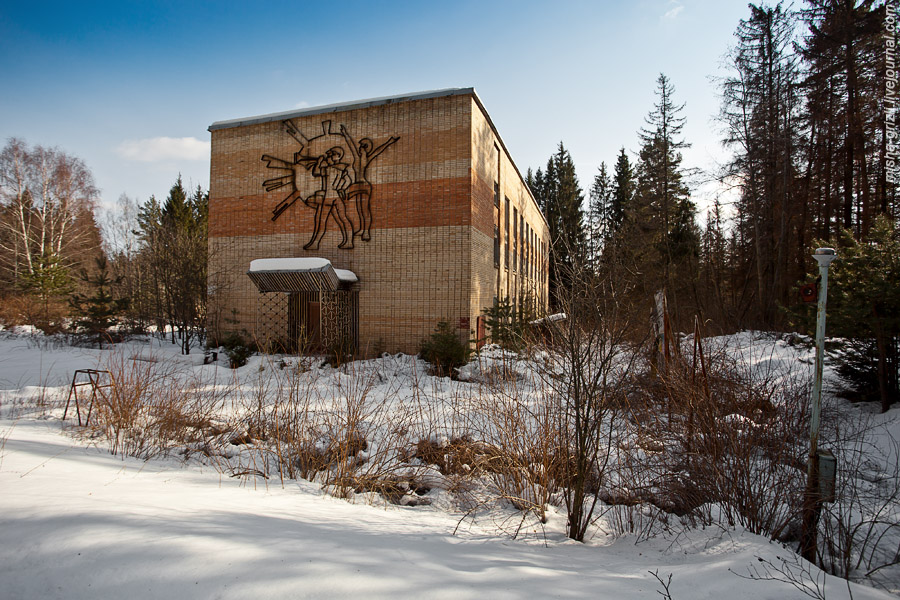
673, 12
164, 148
302, 104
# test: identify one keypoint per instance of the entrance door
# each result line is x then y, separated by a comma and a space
481, 332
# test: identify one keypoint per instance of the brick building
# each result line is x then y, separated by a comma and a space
367, 223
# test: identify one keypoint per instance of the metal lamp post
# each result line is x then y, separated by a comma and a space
812, 500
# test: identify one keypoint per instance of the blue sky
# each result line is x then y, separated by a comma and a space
131, 87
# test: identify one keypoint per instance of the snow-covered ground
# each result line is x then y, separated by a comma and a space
79, 522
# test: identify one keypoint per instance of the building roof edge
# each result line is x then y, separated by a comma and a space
493, 127
340, 107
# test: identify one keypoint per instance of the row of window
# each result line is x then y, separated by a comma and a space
526, 250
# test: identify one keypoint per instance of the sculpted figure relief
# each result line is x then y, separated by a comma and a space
327, 173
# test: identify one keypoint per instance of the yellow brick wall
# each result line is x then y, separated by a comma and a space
508, 282
430, 257
409, 280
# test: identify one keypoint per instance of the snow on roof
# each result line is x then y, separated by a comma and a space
338, 107
549, 319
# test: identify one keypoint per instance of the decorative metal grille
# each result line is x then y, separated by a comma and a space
271, 319
337, 320
283, 321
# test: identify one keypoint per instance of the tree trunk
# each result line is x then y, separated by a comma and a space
881, 344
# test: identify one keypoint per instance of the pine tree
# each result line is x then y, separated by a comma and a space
174, 236
759, 111
844, 56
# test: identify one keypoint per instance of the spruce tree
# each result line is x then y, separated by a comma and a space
660, 238
717, 294
48, 282
600, 218
864, 306
623, 190
560, 198
48, 278
99, 311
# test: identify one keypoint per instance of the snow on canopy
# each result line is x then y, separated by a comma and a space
346, 276
289, 264
301, 265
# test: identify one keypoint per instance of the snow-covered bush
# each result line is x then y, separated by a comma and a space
711, 430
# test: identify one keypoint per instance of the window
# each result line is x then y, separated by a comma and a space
506, 229
528, 252
497, 177
515, 253
496, 247
531, 252
522, 244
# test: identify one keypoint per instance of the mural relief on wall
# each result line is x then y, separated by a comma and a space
329, 174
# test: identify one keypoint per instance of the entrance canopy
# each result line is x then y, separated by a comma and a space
299, 275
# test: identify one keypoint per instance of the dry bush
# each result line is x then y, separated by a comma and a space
49, 314
393, 425
860, 530
466, 439
553, 425
457, 456
585, 377
521, 451
631, 484
13, 310
274, 419
728, 435
149, 409
330, 426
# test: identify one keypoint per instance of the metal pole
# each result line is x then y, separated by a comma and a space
812, 501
